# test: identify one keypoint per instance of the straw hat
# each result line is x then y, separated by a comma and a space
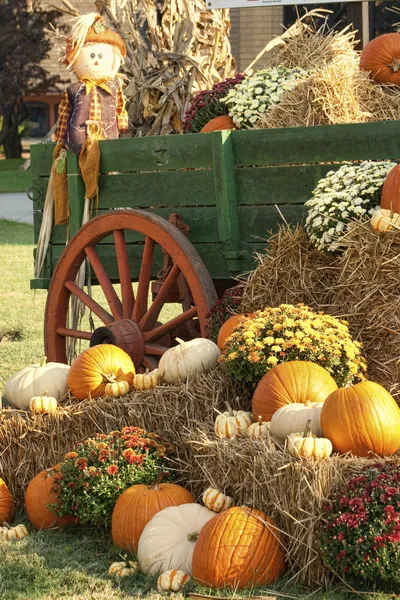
91, 29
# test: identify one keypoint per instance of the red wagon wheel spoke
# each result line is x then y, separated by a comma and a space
156, 349
128, 298
144, 280
133, 325
155, 334
74, 333
89, 302
150, 317
113, 301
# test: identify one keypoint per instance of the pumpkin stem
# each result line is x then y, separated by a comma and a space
180, 342
192, 537
391, 209
43, 361
307, 431
307, 403
155, 485
260, 421
395, 65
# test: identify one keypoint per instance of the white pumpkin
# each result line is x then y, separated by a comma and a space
216, 500
259, 430
36, 380
172, 580
167, 541
188, 358
230, 424
294, 417
309, 446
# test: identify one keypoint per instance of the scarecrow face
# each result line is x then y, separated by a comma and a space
97, 61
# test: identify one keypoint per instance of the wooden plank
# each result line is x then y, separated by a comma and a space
304, 145
141, 190
279, 185
156, 153
225, 192
258, 222
41, 159
76, 193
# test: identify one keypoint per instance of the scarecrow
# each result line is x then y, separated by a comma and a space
91, 109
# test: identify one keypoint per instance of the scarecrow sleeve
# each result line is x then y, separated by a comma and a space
122, 114
64, 112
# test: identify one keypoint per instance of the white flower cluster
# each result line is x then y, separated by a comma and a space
257, 93
352, 192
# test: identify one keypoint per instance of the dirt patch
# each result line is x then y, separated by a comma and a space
14, 335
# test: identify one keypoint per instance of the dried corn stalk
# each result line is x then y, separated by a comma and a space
171, 55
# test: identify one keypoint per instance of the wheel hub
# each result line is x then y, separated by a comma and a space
125, 334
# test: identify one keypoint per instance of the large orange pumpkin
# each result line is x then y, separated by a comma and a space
137, 505
390, 198
362, 419
38, 495
219, 124
227, 329
381, 57
239, 548
7, 503
288, 383
98, 366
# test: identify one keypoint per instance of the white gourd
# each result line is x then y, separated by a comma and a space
294, 417
188, 358
230, 424
168, 540
36, 380
172, 580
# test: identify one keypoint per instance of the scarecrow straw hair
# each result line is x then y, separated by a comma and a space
258, 474
361, 285
337, 91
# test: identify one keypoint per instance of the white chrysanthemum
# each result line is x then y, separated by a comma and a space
351, 192
257, 93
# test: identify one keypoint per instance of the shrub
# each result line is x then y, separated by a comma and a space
207, 105
99, 469
288, 332
351, 192
361, 535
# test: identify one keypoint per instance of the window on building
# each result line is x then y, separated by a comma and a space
38, 120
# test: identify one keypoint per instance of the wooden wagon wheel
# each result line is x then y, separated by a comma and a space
129, 323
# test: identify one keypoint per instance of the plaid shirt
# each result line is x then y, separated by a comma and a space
64, 112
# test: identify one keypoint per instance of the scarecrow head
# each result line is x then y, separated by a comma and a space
93, 50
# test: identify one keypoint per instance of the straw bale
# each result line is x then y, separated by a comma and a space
31, 442
291, 271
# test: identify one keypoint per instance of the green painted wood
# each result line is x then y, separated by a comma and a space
278, 185
76, 193
225, 192
41, 159
304, 145
156, 153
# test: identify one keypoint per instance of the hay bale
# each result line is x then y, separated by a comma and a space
32, 442
291, 271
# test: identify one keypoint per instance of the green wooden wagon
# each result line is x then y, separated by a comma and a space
182, 216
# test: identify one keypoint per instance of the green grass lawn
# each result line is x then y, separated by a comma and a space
72, 564
11, 178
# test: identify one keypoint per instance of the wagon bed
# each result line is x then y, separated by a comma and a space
230, 189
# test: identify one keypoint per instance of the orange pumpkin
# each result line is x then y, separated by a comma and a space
227, 329
97, 367
219, 124
381, 57
7, 503
238, 548
138, 504
38, 495
288, 383
362, 419
390, 198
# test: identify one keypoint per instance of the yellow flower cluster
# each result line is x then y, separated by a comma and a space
290, 332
